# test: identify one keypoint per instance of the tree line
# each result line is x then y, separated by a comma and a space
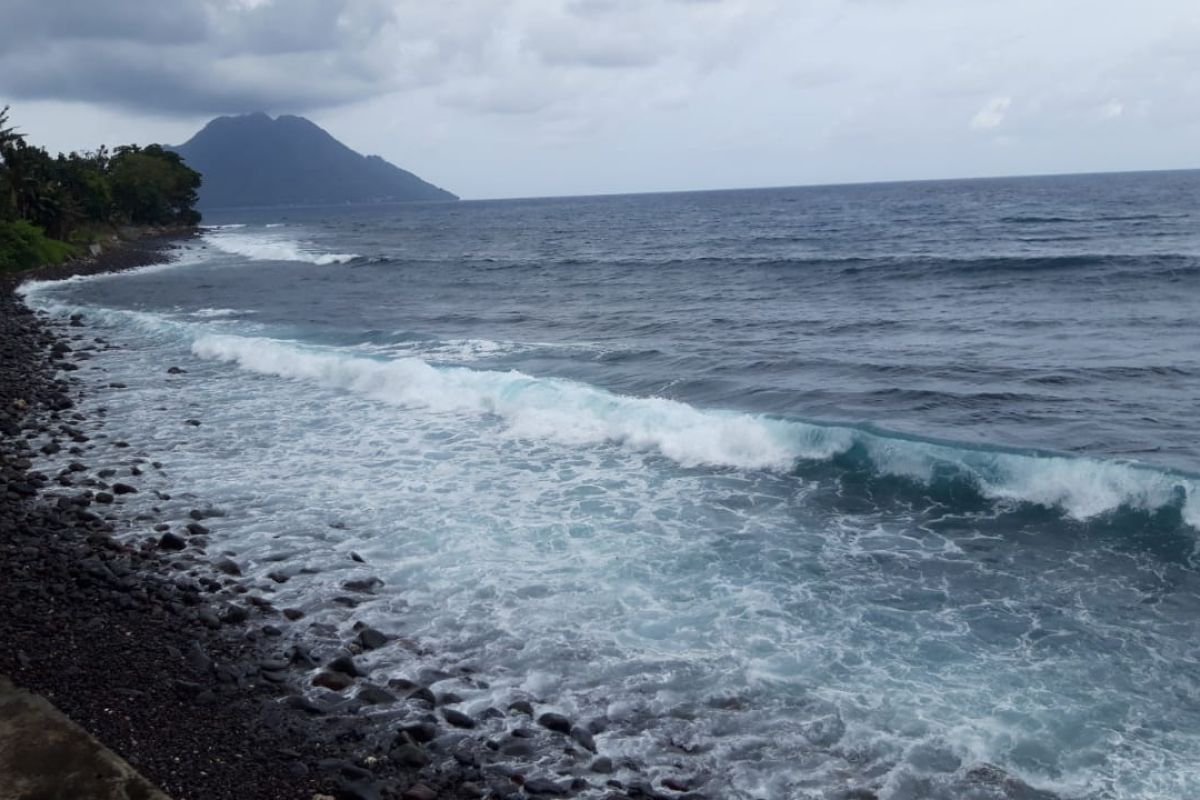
72, 198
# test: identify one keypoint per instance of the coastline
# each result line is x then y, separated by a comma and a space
120, 637
167, 656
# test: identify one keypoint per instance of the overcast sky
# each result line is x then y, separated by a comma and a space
503, 98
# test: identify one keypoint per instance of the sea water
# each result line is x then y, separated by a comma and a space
800, 490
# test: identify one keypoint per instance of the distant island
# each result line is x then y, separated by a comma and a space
254, 160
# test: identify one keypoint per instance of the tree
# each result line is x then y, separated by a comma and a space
152, 186
9, 140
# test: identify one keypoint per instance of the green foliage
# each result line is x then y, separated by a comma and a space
23, 245
153, 186
67, 194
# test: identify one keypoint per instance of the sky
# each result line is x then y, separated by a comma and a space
519, 98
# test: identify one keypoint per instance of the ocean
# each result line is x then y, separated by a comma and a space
798, 491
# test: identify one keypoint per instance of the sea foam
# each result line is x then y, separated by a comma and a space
268, 247
579, 414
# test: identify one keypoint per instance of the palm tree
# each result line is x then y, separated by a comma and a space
10, 142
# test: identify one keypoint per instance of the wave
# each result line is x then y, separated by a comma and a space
259, 247
576, 413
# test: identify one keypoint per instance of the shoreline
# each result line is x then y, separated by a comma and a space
167, 656
120, 637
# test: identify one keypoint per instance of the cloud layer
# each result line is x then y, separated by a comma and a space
222, 56
502, 97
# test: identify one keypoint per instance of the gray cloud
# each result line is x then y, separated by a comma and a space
218, 56
197, 56
502, 97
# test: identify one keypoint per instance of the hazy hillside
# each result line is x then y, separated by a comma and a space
254, 160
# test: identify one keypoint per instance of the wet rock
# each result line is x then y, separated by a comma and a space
123, 488
363, 585
421, 732
195, 423
103, 497
374, 695
293, 614
175, 371
411, 756
584, 738
234, 615
521, 707
545, 787
196, 529
555, 722
170, 541
371, 639
228, 566
457, 718
335, 681
419, 791
301, 703
423, 695
602, 765
357, 790
344, 665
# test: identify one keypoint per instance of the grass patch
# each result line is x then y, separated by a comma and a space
24, 246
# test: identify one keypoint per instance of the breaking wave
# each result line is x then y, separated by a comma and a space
577, 413
260, 247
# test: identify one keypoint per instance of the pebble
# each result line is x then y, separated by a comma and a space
457, 718
555, 722
170, 541
371, 639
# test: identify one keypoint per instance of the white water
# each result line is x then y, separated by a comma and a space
656, 563
577, 414
261, 246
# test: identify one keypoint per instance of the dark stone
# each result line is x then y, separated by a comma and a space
170, 541
545, 786
602, 765
336, 681
228, 566
371, 639
195, 423
123, 488
555, 722
411, 756
364, 585
196, 529
423, 695
584, 738
457, 718
374, 695
103, 497
419, 791
344, 665
421, 732
293, 614
175, 371
235, 615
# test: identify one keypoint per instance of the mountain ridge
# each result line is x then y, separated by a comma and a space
254, 160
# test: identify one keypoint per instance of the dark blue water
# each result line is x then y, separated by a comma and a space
869, 484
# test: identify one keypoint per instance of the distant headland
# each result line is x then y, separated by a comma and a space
254, 160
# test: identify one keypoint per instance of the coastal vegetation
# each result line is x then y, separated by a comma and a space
52, 206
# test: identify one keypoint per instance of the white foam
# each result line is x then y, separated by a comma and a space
269, 247
579, 414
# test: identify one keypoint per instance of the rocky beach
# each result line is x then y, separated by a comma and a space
141, 629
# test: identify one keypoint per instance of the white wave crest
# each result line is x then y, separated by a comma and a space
268, 247
579, 414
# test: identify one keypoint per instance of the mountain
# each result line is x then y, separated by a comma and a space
253, 160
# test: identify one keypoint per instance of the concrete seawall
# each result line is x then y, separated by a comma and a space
45, 756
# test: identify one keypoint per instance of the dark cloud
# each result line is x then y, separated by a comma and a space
196, 56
